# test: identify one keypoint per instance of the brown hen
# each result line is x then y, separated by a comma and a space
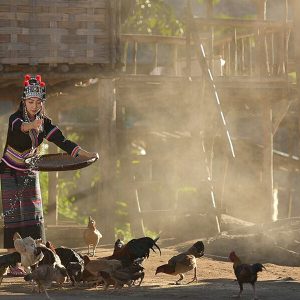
91, 235
178, 265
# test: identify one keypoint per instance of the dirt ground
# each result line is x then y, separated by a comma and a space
215, 281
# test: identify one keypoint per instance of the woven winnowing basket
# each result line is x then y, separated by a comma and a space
58, 162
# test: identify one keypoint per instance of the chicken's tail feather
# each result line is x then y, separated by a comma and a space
258, 267
154, 244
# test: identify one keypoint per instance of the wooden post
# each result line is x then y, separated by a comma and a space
52, 215
112, 8
296, 17
267, 178
130, 194
107, 138
155, 62
134, 54
188, 39
260, 36
209, 15
175, 58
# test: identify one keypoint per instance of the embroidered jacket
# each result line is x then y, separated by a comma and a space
19, 144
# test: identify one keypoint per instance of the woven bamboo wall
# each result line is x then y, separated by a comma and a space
57, 31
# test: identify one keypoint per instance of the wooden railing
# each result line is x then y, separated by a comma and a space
248, 47
132, 44
233, 48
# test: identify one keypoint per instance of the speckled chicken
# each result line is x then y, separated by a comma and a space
178, 265
92, 235
44, 275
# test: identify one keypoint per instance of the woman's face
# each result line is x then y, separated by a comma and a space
33, 106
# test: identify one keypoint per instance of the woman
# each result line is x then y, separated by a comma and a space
20, 187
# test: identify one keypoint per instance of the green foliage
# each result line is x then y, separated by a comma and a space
215, 2
122, 227
153, 17
67, 207
123, 232
293, 77
151, 233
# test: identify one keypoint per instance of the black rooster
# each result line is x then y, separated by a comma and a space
135, 249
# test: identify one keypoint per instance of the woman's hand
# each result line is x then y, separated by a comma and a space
36, 125
87, 154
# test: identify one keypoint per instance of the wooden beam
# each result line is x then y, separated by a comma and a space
107, 138
266, 24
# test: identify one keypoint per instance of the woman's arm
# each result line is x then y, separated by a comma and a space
54, 135
87, 154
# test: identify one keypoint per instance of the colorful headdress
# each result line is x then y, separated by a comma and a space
34, 87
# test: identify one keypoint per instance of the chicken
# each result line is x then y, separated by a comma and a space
6, 260
27, 247
121, 277
50, 257
92, 235
118, 246
245, 273
135, 249
183, 262
178, 265
93, 267
73, 262
44, 275
102, 264
124, 275
197, 249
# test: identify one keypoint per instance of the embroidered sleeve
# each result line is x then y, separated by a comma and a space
53, 134
15, 123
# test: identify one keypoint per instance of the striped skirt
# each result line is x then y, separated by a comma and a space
22, 205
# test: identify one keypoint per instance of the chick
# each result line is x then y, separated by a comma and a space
91, 235
178, 265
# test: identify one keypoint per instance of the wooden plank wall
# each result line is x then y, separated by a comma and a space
56, 31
